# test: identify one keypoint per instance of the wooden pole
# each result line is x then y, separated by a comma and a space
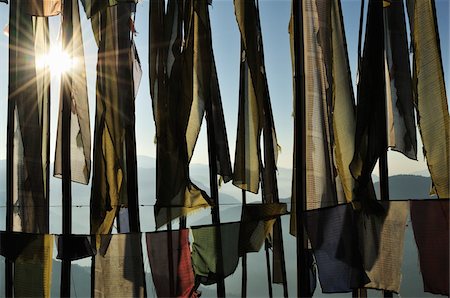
360, 292
67, 33
244, 255
269, 278
212, 156
303, 282
14, 22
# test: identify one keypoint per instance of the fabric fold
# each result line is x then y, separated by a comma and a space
333, 236
158, 248
75, 247
204, 251
42, 8
251, 165
430, 221
174, 107
80, 130
118, 266
381, 240
371, 99
257, 224
399, 93
429, 93
114, 120
32, 257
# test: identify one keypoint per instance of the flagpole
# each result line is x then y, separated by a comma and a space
303, 282
13, 18
67, 25
212, 156
360, 292
244, 255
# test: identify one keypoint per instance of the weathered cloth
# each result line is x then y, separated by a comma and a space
176, 195
334, 239
430, 221
205, 256
381, 240
370, 130
159, 254
42, 8
255, 117
80, 130
75, 247
114, 124
330, 111
257, 223
29, 98
429, 93
32, 256
399, 102
119, 270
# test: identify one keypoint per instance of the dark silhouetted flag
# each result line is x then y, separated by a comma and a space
430, 221
159, 254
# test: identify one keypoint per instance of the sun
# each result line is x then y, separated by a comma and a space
57, 60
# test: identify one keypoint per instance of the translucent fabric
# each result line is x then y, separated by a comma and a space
167, 248
381, 240
42, 8
201, 87
330, 112
114, 124
334, 240
255, 117
80, 130
29, 95
399, 93
257, 223
206, 255
429, 93
179, 88
119, 270
32, 257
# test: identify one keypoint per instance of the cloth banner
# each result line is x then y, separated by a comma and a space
205, 259
173, 101
32, 256
119, 270
75, 247
381, 239
42, 8
257, 224
330, 111
399, 91
429, 93
114, 125
159, 254
334, 240
80, 130
430, 221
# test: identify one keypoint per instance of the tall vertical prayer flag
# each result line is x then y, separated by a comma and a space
80, 136
429, 93
175, 111
329, 104
114, 116
255, 116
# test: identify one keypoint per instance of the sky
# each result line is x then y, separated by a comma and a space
226, 44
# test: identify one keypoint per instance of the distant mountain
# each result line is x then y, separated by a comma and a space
403, 187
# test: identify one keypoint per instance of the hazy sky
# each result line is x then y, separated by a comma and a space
226, 42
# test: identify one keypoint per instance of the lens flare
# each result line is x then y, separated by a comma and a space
57, 60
